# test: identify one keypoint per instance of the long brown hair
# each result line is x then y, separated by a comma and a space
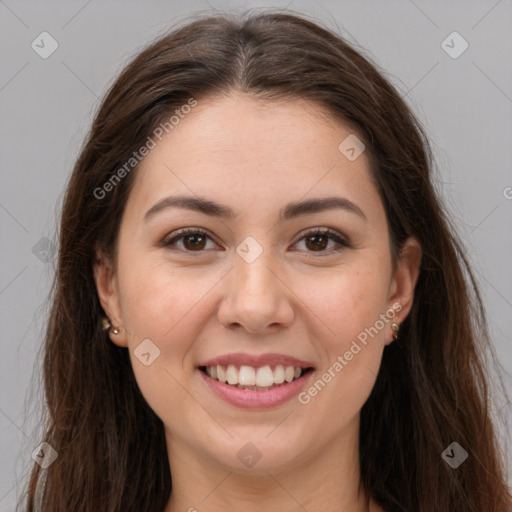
431, 389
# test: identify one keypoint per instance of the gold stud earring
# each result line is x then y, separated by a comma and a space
396, 328
105, 324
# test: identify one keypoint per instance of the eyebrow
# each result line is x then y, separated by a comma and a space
291, 210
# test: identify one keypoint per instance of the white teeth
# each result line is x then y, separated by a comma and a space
232, 374
247, 376
221, 374
279, 374
262, 377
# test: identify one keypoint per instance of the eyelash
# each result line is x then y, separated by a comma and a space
332, 235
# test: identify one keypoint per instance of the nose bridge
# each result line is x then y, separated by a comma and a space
255, 279
255, 296
253, 282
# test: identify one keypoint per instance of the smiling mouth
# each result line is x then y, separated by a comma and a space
262, 378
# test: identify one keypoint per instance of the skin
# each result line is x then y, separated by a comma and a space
256, 157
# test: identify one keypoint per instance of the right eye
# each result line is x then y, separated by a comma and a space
193, 240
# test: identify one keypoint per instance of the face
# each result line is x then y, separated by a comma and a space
266, 278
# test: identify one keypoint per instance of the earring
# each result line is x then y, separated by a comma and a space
106, 325
396, 328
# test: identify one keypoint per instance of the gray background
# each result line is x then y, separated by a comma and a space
47, 105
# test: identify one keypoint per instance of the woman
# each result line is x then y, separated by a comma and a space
260, 303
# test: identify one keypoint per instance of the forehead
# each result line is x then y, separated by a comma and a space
244, 151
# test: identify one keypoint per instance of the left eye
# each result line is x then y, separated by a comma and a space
319, 239
194, 240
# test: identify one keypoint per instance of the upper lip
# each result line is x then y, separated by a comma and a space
240, 359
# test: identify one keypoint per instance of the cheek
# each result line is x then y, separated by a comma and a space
165, 307
157, 298
347, 302
351, 334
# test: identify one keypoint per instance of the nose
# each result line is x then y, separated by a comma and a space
256, 296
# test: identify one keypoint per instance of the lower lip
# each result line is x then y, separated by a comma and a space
250, 399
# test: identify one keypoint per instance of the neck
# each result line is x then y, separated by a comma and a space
327, 480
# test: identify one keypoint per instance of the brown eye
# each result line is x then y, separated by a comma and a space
317, 241
192, 240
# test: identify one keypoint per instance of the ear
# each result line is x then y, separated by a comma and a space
404, 279
105, 279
